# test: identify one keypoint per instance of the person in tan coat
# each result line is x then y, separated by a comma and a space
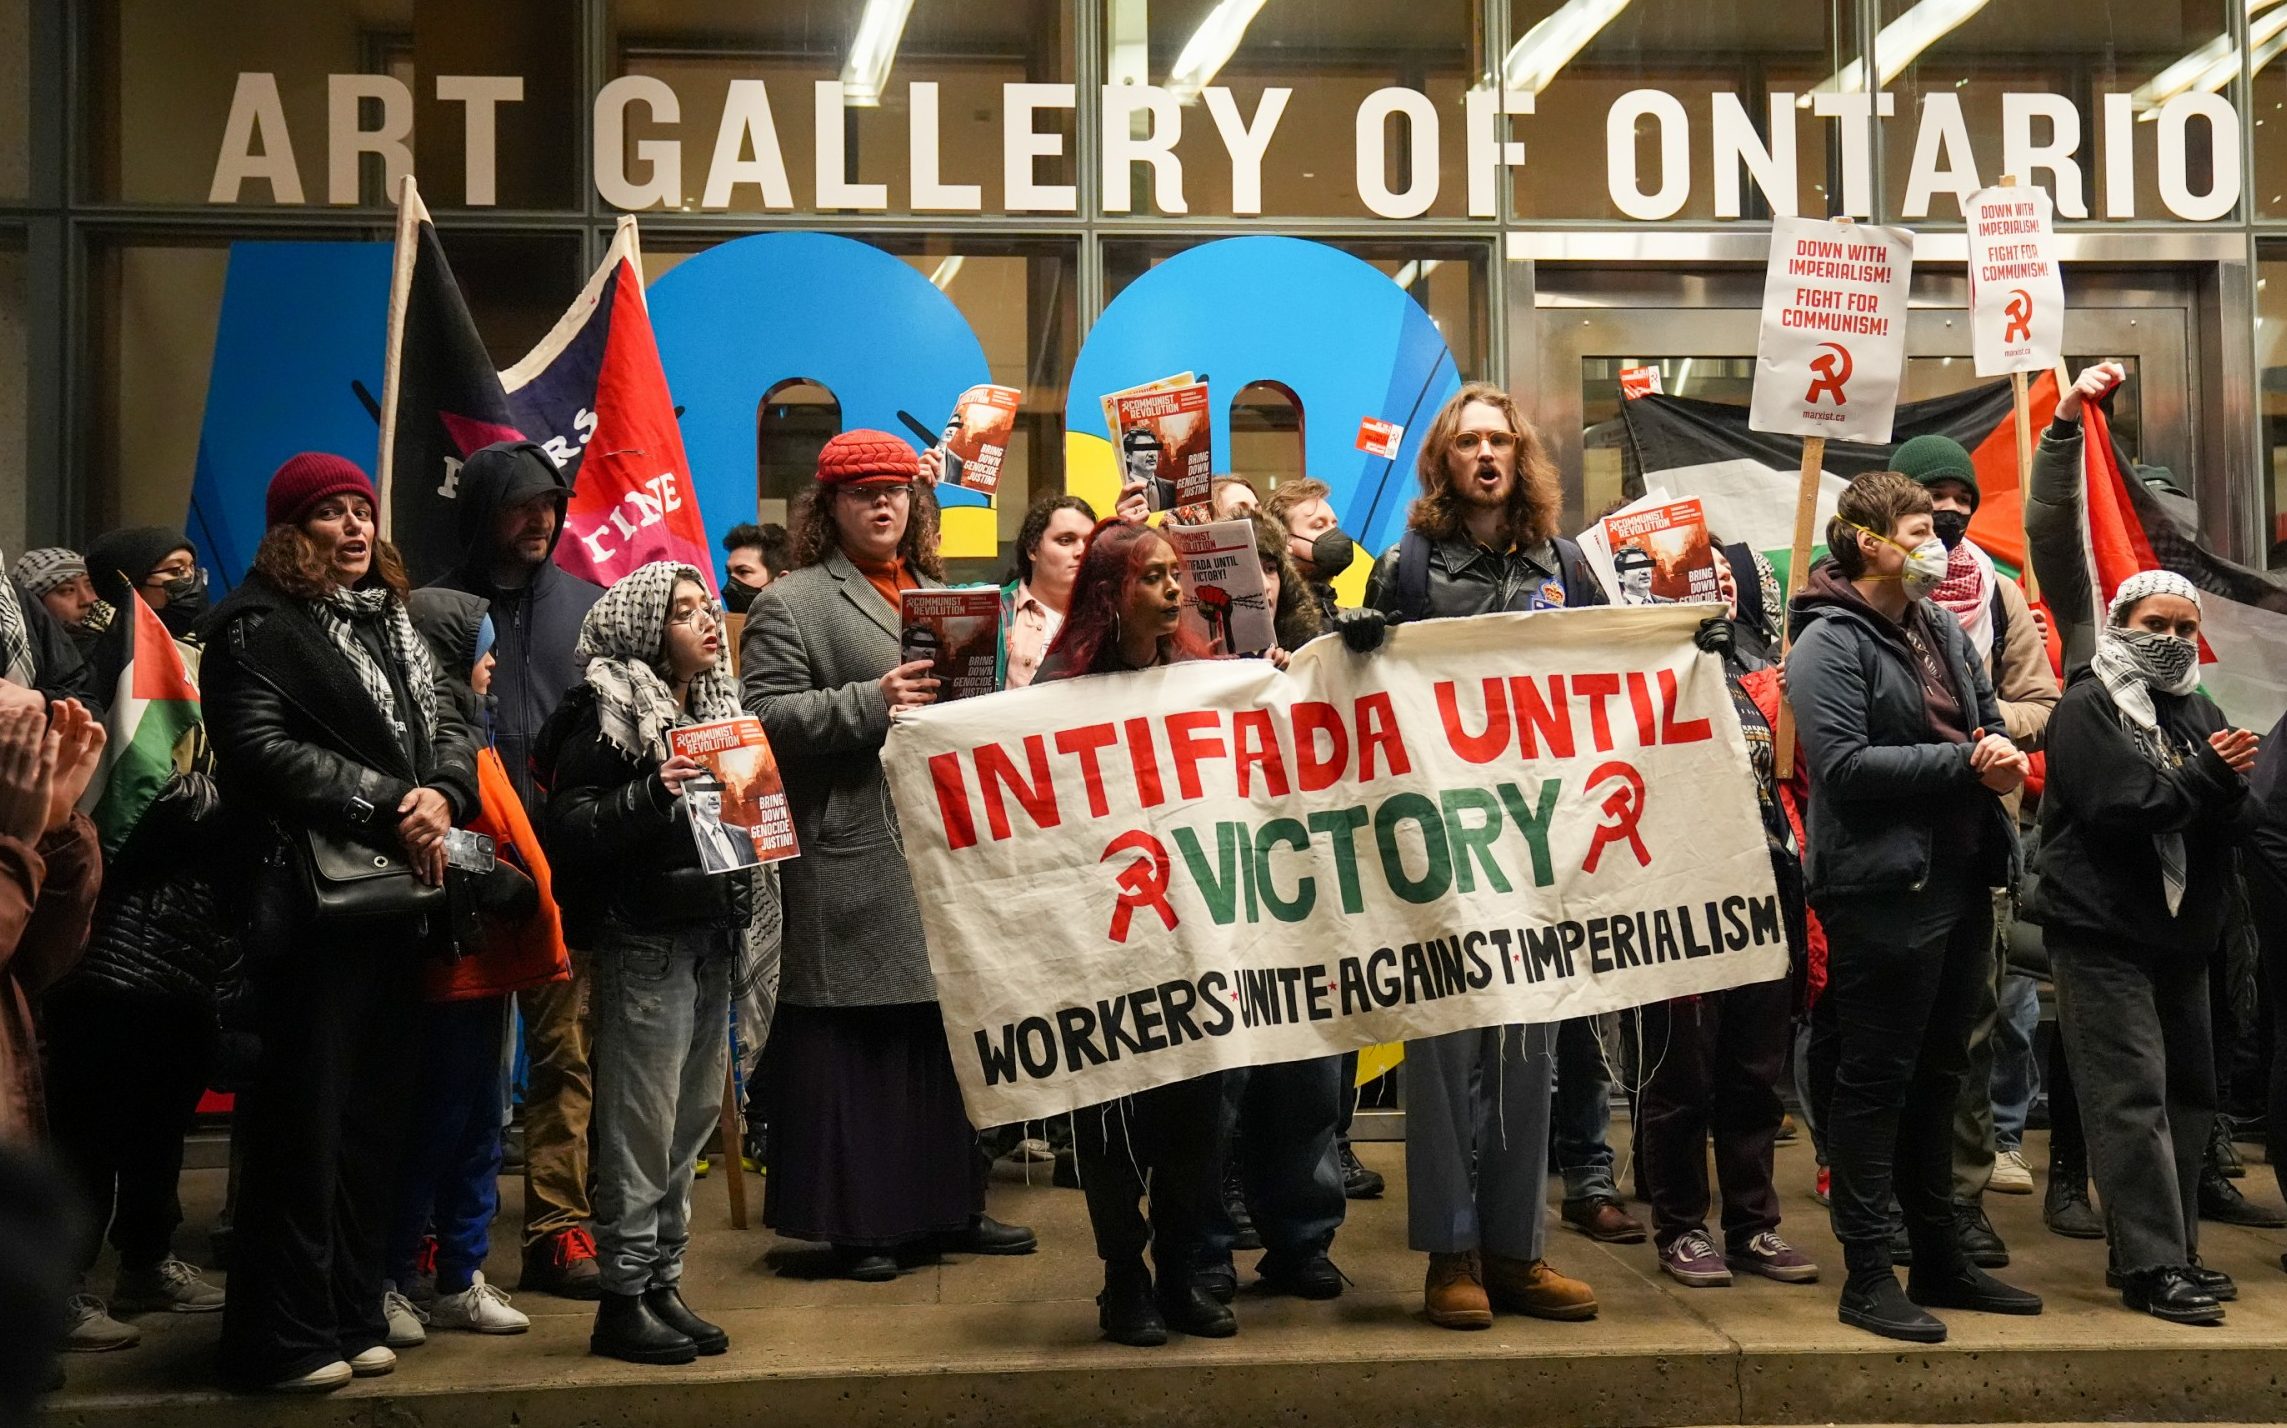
50, 871
2001, 627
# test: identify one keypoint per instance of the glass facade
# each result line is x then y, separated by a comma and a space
1501, 159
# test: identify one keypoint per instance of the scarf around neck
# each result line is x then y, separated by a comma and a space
340, 612
1967, 594
2131, 681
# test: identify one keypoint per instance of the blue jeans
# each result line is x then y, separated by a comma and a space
450, 1181
662, 1035
1477, 1109
2014, 1072
1583, 1110
1283, 1118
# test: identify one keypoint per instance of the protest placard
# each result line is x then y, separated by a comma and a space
1513, 818
2016, 295
1833, 342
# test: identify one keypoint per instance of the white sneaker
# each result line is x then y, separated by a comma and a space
170, 1286
323, 1379
405, 1320
1032, 1150
90, 1329
480, 1308
374, 1362
2011, 1175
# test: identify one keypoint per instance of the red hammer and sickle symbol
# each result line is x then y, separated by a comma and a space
1621, 810
1833, 367
1142, 883
2020, 314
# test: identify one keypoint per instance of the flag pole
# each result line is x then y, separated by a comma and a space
410, 212
1798, 562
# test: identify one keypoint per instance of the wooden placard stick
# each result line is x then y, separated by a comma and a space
734, 1170
2023, 407
1798, 565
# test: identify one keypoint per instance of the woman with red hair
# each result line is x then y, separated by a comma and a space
1125, 614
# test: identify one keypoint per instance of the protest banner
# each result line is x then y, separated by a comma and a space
1513, 818
2016, 302
1834, 331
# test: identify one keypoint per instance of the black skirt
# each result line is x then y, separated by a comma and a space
869, 1144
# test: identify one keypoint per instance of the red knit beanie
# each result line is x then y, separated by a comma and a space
308, 478
867, 458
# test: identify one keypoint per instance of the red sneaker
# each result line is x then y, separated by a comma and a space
563, 1264
1825, 1186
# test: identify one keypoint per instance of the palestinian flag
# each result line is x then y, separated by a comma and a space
440, 398
154, 705
1746, 482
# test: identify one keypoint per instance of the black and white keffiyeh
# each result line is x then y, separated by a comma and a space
2133, 664
621, 640
340, 612
16, 665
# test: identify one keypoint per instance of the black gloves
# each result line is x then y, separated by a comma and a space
1362, 629
1713, 635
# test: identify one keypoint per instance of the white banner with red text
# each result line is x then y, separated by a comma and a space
1132, 879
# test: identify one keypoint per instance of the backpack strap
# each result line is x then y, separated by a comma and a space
1581, 586
2000, 624
1748, 581
1413, 575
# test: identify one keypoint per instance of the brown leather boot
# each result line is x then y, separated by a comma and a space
1454, 1292
1530, 1286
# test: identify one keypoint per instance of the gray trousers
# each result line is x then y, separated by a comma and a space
662, 1034
1973, 1145
2136, 1029
1483, 1097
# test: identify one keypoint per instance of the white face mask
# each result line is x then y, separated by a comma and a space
1925, 568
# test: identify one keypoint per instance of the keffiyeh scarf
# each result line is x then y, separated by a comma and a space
2130, 675
1967, 594
340, 612
15, 640
620, 643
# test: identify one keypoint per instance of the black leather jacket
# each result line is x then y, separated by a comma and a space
621, 849
297, 740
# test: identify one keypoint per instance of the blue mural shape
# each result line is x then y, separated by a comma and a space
303, 326
1330, 328
744, 316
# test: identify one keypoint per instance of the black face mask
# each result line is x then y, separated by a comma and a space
1331, 554
1952, 527
186, 601
737, 595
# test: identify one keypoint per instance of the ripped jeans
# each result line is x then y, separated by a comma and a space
662, 1033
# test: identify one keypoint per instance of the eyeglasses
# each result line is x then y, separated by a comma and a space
166, 574
1494, 441
871, 495
697, 613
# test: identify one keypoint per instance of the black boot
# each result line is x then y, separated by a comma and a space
1126, 1310
666, 1301
986, 1235
2064, 1205
1962, 1285
2214, 1283
1244, 1235
1979, 1241
2221, 1201
2168, 1293
1872, 1300
2222, 1154
1188, 1309
627, 1328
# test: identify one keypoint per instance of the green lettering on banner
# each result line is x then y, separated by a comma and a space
1434, 882
1219, 885
1290, 833
1473, 839
1341, 825
1533, 824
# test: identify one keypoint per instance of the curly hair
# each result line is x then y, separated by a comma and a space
1536, 503
1089, 641
1035, 529
815, 534
290, 562
1296, 618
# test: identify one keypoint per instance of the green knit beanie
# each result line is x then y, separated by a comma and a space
1931, 458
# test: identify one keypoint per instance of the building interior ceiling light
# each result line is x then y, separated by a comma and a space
866, 72
1898, 45
2216, 63
1534, 60
1210, 47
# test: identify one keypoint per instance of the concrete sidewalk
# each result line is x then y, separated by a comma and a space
1013, 1342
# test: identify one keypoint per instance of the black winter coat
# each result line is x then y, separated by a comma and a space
297, 740
2100, 875
535, 627
1881, 785
619, 843
159, 930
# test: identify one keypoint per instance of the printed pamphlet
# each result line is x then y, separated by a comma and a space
1225, 598
958, 629
1661, 554
738, 808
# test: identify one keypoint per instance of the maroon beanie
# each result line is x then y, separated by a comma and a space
867, 458
309, 478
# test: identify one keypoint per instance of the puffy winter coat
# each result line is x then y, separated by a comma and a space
160, 931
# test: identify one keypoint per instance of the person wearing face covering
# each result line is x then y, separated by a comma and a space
1989, 1124
155, 562
1907, 839
1321, 549
2146, 798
